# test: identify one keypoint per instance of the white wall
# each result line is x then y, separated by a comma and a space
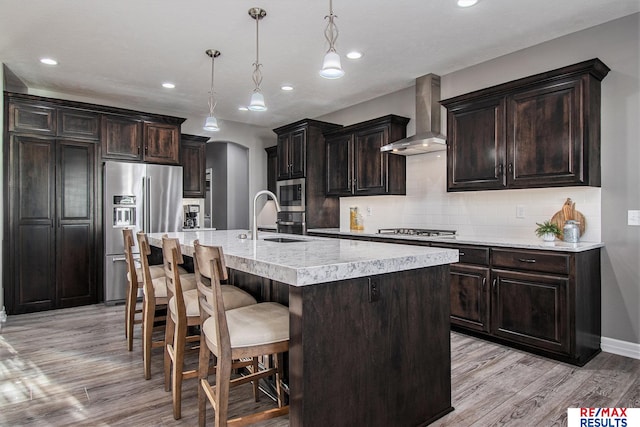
484, 213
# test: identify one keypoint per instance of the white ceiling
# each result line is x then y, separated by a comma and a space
121, 51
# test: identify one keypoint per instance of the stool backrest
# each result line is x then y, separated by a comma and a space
172, 257
145, 251
127, 234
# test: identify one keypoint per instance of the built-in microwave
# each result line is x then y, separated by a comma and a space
291, 195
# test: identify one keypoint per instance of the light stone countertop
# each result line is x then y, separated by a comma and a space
502, 241
314, 259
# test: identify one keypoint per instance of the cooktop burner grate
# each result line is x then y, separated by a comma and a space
418, 232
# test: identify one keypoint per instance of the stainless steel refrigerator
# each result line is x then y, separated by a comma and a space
139, 196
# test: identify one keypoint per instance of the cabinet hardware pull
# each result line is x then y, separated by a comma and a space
500, 169
493, 285
510, 168
531, 261
484, 283
460, 253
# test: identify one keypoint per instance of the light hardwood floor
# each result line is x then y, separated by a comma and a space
71, 367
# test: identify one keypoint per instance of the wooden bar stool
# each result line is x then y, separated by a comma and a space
134, 283
154, 295
183, 311
237, 334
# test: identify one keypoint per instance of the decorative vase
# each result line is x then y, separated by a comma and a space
548, 237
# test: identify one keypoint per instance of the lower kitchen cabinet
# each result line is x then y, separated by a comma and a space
531, 309
470, 296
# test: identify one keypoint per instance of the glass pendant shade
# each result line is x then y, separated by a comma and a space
257, 102
211, 124
331, 67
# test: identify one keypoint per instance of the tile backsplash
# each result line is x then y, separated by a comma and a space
472, 214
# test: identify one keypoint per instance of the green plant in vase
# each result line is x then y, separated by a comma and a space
548, 231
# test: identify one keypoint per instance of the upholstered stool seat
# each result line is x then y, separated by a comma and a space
233, 298
258, 324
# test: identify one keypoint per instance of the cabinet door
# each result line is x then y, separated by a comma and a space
121, 138
370, 164
470, 297
193, 169
297, 150
531, 309
75, 229
339, 161
545, 136
272, 168
476, 146
78, 124
32, 201
32, 118
161, 143
284, 162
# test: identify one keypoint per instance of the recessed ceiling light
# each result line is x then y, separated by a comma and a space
286, 87
354, 55
49, 61
243, 109
168, 85
467, 3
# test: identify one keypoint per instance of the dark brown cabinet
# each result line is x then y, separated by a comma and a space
121, 138
291, 156
305, 138
161, 143
78, 124
27, 117
193, 150
131, 138
272, 168
539, 131
355, 164
52, 223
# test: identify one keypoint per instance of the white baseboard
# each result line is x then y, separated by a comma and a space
622, 348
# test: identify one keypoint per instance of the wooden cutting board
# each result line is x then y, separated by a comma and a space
567, 212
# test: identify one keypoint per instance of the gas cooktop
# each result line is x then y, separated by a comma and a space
418, 232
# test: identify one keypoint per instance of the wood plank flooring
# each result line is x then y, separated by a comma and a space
71, 367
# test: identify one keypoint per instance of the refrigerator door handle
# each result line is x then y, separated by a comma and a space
143, 226
147, 198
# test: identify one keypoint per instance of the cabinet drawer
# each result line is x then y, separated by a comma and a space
530, 260
469, 254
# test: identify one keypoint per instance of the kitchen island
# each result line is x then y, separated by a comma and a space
369, 324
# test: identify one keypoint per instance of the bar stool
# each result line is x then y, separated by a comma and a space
134, 283
183, 311
154, 295
237, 334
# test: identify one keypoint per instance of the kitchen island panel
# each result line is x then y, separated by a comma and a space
379, 363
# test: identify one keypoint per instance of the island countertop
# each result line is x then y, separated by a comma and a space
311, 260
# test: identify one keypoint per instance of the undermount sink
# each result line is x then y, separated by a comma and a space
282, 240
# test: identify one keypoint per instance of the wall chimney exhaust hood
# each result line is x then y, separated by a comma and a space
428, 137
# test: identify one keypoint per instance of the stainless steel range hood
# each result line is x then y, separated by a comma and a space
428, 137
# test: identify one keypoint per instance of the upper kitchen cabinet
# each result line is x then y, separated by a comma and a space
272, 168
193, 166
539, 131
294, 140
161, 143
121, 138
133, 138
355, 164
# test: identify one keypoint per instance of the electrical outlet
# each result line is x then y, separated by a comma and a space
520, 212
369, 211
633, 217
374, 290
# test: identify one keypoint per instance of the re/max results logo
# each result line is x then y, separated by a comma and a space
603, 417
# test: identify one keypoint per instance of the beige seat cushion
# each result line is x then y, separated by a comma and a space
155, 271
188, 281
256, 324
233, 298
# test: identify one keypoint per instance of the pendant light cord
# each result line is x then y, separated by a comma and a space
257, 74
331, 31
212, 104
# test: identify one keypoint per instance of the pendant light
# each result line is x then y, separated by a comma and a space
257, 98
211, 124
331, 68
